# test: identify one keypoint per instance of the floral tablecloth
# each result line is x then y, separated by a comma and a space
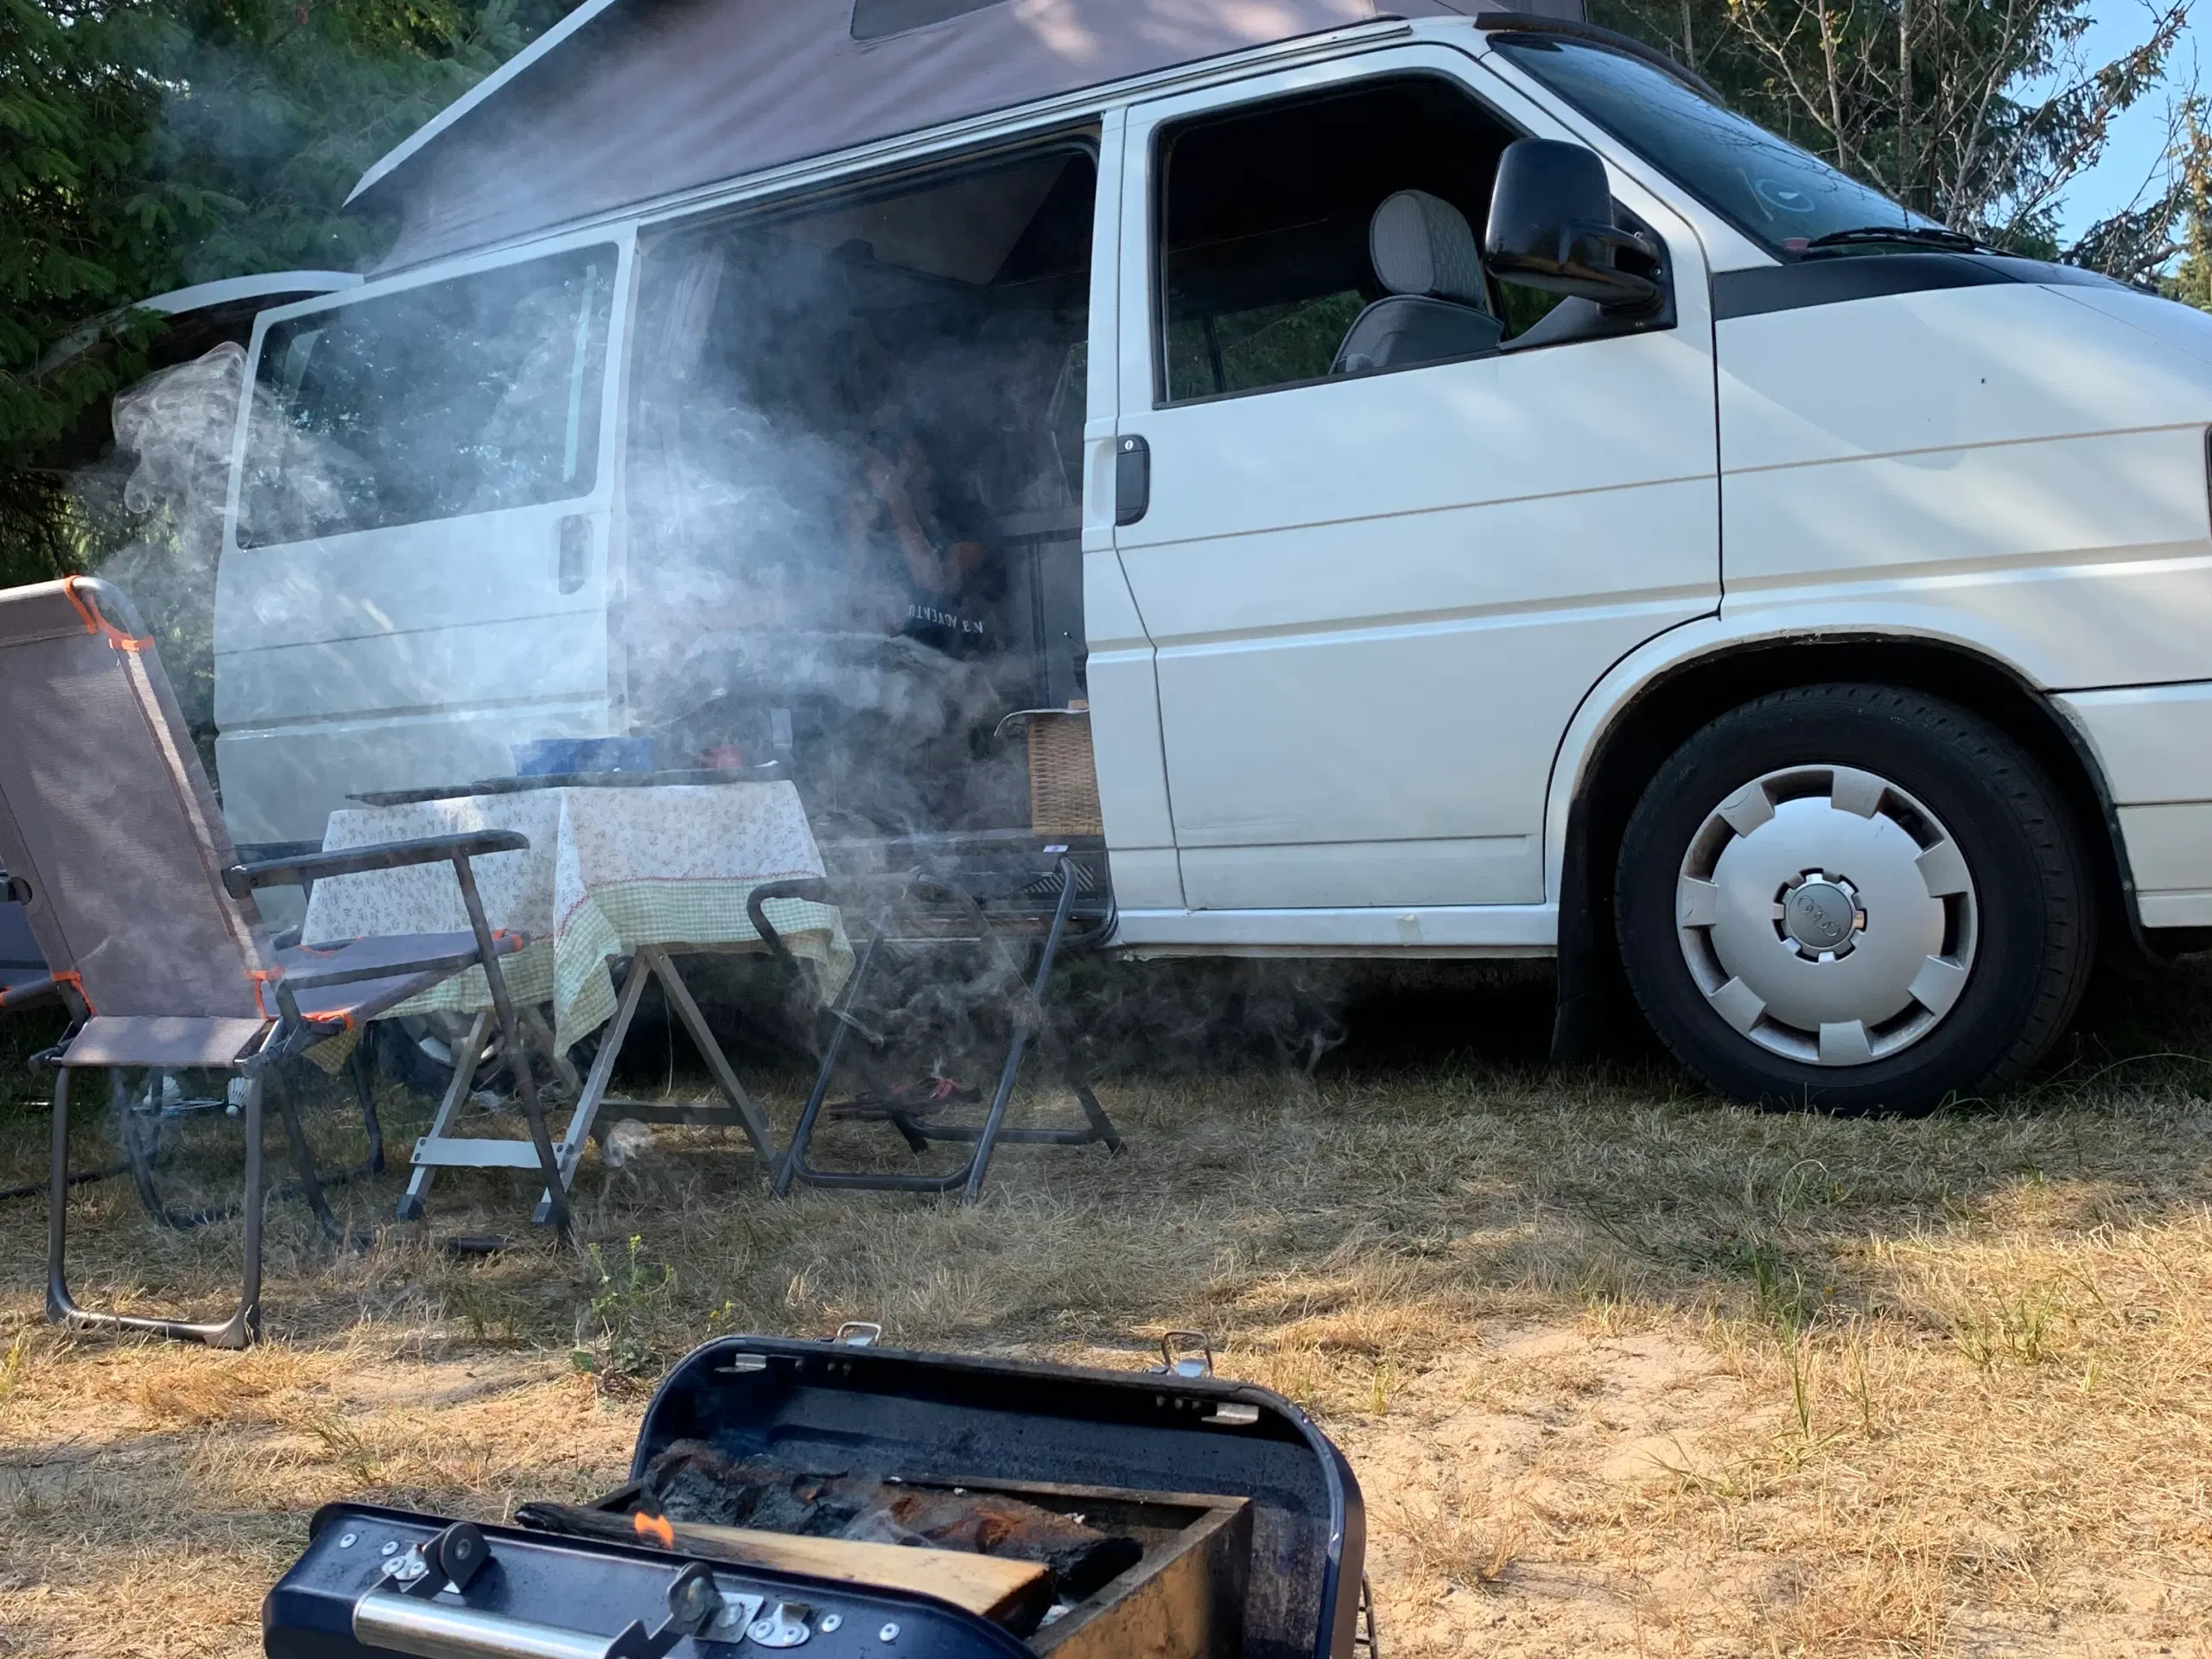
608, 870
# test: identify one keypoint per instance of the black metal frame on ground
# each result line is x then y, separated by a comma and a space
962, 891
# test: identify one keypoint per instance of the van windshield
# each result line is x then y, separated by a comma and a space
471, 395
1776, 193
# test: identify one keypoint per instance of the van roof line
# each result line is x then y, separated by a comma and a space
200, 296
249, 287
550, 41
481, 93
1016, 123
748, 87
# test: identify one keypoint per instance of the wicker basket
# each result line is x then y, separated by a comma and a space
1063, 778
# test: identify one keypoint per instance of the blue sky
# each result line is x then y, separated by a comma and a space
2140, 135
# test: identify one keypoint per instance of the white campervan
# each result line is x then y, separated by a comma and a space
1487, 500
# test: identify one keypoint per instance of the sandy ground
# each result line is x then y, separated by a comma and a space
1623, 1371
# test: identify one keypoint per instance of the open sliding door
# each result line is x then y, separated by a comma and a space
415, 563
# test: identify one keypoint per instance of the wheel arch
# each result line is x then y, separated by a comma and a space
1632, 739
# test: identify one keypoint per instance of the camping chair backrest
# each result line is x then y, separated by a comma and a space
108, 831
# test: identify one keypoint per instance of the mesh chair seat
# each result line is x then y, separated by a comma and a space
171, 1042
419, 961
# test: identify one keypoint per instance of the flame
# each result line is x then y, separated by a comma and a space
656, 1528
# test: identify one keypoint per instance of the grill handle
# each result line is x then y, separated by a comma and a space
394, 1623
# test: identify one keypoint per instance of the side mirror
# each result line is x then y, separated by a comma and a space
1551, 226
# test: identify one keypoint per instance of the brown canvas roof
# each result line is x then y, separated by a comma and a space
627, 100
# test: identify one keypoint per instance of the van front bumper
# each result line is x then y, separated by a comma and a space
2155, 745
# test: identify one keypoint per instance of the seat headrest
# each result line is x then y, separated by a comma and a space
1421, 244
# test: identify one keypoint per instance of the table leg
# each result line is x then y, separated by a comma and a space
679, 995
555, 1057
594, 1086
464, 1074
503, 1007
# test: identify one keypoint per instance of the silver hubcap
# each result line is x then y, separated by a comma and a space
1827, 915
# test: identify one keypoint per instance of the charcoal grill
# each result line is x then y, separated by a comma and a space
1251, 1519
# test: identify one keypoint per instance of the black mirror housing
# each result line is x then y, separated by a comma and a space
1551, 226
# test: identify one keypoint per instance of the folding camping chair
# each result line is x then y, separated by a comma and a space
992, 904
117, 851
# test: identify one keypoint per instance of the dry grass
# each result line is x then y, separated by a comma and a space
1623, 1371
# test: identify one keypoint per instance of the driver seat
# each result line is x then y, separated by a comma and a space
1437, 306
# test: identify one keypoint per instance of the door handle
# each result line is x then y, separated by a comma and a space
1132, 478
575, 552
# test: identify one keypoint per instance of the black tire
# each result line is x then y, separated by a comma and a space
401, 1056
2032, 926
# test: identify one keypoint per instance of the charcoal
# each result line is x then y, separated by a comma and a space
691, 1481
876, 1527
1081, 1557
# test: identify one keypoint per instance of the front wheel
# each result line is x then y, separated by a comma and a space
1853, 897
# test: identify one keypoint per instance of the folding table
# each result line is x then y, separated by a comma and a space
647, 874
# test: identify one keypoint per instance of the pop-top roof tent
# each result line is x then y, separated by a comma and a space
627, 100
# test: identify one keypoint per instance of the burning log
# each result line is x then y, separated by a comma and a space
1016, 1594
693, 1483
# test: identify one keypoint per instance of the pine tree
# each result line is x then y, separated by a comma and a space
2190, 282
148, 144
1979, 113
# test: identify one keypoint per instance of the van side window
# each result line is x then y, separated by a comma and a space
1327, 235
467, 396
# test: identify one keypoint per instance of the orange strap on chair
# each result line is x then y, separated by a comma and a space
262, 976
95, 623
76, 983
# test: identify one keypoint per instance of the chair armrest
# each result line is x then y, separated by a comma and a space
31, 994
242, 880
812, 887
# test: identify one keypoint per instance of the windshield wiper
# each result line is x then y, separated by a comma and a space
1923, 235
